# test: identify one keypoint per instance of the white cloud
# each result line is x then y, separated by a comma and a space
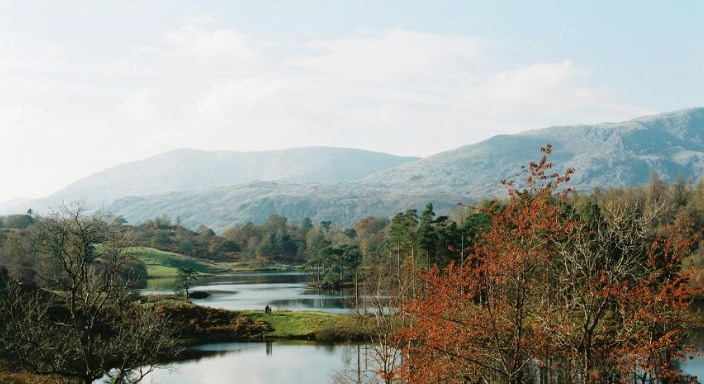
247, 95
201, 86
222, 46
19, 114
393, 56
542, 94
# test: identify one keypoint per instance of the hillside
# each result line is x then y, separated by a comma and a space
166, 264
604, 155
221, 188
191, 169
219, 208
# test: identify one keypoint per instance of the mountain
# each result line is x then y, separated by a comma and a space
604, 155
12, 204
221, 188
220, 208
192, 169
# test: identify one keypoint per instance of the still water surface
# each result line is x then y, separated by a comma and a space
281, 362
280, 290
284, 362
272, 363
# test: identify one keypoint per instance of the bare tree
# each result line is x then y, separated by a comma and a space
88, 325
385, 321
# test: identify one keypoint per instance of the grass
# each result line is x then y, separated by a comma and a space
165, 283
311, 325
203, 324
166, 264
255, 266
28, 378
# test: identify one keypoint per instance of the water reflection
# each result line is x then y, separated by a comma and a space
280, 290
272, 363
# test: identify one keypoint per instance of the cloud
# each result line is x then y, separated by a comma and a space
543, 94
221, 46
389, 88
19, 113
392, 56
209, 87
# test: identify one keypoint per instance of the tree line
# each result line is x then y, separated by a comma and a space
77, 319
547, 285
561, 288
411, 237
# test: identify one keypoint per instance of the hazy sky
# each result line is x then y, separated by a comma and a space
85, 85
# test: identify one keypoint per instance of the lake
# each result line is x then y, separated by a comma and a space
279, 362
287, 362
280, 290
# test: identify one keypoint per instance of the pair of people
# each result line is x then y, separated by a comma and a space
267, 309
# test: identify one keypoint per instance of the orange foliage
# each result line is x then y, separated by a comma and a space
540, 300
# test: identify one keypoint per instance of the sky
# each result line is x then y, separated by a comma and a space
86, 85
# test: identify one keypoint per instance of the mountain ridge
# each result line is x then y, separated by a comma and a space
604, 155
196, 169
634, 147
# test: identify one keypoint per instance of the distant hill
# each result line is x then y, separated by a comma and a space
219, 208
604, 155
12, 204
219, 189
191, 169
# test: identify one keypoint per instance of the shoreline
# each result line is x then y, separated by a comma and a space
200, 325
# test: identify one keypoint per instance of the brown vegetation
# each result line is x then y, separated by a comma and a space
549, 294
201, 324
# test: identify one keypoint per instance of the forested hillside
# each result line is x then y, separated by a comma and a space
604, 155
431, 237
192, 169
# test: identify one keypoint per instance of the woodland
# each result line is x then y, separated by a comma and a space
546, 285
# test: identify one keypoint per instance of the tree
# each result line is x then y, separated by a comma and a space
87, 326
18, 221
326, 225
204, 231
551, 294
401, 239
351, 233
306, 225
426, 234
371, 232
185, 279
4, 278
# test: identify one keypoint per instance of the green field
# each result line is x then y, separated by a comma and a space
162, 264
312, 325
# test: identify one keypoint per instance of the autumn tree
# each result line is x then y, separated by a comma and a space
371, 231
552, 294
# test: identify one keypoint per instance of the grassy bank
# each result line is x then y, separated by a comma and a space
161, 264
259, 266
198, 324
7, 377
312, 325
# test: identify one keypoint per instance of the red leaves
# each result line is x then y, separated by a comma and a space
483, 318
573, 299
